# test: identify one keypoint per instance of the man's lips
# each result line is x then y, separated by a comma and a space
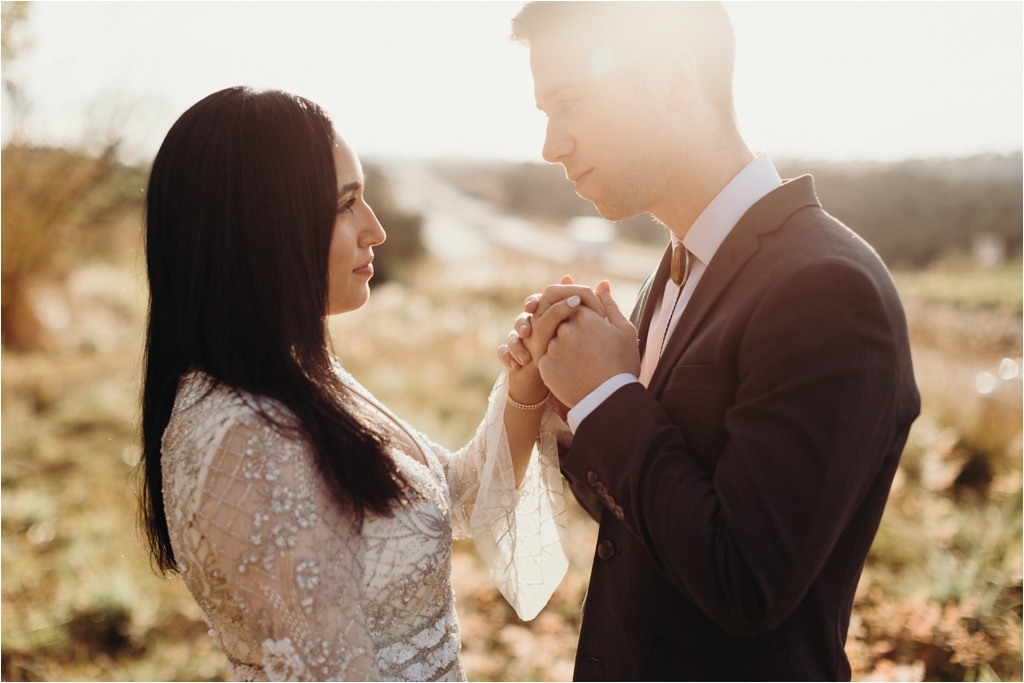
580, 176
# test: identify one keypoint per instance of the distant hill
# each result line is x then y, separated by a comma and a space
981, 167
912, 212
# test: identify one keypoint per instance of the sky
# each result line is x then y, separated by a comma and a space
835, 81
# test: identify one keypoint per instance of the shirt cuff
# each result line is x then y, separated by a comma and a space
596, 397
559, 427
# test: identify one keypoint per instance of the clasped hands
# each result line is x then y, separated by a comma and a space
568, 340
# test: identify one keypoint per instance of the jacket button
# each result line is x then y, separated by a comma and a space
605, 549
592, 478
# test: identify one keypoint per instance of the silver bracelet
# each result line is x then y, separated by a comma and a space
523, 406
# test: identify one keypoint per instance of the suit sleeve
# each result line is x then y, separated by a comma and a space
584, 495
813, 417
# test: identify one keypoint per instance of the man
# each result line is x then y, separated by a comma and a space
737, 438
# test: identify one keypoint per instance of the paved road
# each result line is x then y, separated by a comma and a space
460, 229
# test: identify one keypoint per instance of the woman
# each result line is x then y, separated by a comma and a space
313, 526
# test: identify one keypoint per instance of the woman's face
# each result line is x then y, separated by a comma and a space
356, 232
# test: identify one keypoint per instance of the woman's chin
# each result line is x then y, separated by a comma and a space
354, 299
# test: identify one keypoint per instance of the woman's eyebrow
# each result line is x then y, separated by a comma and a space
351, 187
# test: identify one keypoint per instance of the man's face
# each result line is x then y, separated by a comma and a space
601, 127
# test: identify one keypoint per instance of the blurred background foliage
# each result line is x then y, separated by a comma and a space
941, 594
59, 205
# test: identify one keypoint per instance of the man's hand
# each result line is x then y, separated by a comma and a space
588, 349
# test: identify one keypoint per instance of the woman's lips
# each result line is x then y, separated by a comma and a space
365, 269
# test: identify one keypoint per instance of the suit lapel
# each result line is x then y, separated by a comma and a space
644, 310
764, 217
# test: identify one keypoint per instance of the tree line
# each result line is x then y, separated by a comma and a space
911, 212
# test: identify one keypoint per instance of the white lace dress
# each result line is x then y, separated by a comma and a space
294, 590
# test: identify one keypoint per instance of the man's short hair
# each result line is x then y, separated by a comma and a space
703, 28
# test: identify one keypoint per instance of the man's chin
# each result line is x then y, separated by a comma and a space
610, 209
613, 212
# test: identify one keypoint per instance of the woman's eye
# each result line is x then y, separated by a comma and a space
347, 206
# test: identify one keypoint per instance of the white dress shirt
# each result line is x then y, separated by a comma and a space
707, 233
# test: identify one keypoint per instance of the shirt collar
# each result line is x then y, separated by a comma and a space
714, 224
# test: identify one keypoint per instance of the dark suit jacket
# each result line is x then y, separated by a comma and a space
739, 495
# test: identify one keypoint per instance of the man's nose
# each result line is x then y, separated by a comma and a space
557, 144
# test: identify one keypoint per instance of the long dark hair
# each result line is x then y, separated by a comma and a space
240, 211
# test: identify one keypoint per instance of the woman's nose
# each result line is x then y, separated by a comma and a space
374, 233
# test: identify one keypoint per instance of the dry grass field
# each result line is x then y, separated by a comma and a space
940, 598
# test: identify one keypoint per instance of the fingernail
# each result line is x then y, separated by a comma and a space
521, 358
573, 301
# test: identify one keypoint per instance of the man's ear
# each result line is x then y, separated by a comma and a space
681, 78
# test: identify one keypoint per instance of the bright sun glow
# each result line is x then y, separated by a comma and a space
823, 80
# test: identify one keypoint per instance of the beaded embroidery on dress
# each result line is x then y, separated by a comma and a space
293, 590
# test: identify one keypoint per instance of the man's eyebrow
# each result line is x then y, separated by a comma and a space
554, 91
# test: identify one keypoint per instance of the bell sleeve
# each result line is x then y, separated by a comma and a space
521, 534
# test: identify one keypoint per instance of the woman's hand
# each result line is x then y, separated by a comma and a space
523, 346
526, 385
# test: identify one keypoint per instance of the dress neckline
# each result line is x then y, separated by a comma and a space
391, 417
